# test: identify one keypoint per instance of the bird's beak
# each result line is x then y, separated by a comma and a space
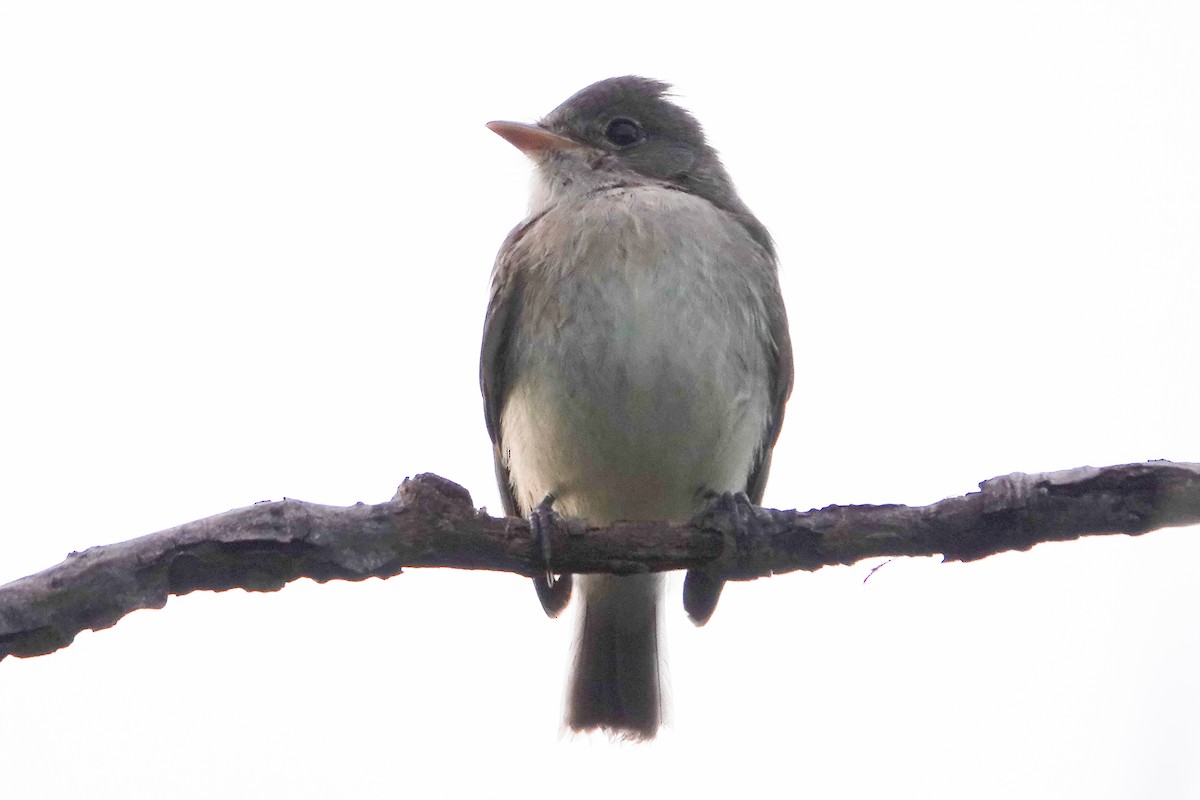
532, 140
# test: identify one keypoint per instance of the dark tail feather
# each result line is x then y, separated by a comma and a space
615, 683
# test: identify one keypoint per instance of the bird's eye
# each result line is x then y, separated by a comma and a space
623, 132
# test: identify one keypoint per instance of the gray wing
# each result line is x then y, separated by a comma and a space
782, 375
503, 305
779, 345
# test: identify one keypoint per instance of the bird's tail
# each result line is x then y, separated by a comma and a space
615, 683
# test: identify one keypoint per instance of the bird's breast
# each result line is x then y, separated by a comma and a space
638, 361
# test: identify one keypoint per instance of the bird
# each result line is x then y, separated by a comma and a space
636, 363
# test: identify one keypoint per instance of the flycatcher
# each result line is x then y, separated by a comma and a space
636, 362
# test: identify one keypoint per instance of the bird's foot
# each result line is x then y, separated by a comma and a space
702, 587
553, 592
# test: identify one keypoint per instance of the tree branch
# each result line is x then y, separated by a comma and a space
432, 522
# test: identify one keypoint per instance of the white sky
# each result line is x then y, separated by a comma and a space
245, 250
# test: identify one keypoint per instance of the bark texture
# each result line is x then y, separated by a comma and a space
431, 522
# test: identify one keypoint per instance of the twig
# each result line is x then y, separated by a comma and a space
432, 523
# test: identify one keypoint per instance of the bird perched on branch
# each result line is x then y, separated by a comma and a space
636, 362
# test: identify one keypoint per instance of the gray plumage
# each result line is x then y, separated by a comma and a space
635, 358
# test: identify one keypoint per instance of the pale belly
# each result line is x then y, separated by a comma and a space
648, 390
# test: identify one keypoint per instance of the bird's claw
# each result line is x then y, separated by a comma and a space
702, 587
553, 592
